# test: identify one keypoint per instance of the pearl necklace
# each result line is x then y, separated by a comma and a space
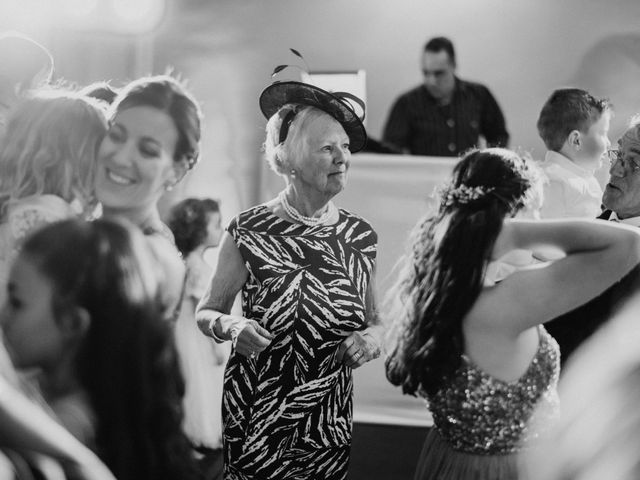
298, 217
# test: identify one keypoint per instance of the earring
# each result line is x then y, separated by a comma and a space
168, 187
293, 172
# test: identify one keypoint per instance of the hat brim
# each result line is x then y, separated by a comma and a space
278, 94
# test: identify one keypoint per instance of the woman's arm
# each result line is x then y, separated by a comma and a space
27, 428
365, 345
598, 254
567, 235
213, 310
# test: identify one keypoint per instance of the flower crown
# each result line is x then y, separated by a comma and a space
462, 194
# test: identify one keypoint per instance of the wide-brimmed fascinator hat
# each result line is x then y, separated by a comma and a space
336, 104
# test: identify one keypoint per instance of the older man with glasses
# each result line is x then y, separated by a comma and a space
621, 200
622, 194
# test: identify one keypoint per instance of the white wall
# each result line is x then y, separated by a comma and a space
521, 49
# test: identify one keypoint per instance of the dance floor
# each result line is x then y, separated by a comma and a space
385, 452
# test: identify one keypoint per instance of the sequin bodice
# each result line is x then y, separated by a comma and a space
477, 413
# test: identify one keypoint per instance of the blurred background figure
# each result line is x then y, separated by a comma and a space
84, 309
445, 116
598, 435
469, 308
196, 226
47, 166
24, 65
153, 141
574, 126
46, 173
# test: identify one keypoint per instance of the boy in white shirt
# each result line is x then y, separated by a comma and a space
574, 126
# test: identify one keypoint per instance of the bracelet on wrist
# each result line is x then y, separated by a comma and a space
212, 330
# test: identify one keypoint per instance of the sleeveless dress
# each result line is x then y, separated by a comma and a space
481, 422
202, 361
171, 268
287, 413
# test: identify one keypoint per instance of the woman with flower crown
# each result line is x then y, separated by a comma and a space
469, 308
306, 271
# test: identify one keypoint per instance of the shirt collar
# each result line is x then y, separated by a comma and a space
458, 87
567, 164
633, 221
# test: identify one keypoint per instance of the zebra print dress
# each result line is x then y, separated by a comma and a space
287, 413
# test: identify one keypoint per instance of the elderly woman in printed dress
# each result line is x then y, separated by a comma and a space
306, 271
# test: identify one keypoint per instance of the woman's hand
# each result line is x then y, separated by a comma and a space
359, 348
250, 339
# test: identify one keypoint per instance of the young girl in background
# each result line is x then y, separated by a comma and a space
84, 308
196, 226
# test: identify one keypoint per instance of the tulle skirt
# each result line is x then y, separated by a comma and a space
203, 362
438, 461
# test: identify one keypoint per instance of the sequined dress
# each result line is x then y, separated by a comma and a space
481, 422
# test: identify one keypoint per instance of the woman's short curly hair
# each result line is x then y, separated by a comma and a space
279, 156
188, 220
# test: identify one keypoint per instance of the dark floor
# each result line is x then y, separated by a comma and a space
385, 452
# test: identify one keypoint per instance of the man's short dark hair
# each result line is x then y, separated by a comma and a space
568, 109
438, 44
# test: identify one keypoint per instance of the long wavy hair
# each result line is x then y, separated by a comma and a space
50, 147
127, 362
443, 271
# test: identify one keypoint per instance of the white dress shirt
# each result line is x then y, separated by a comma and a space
571, 190
633, 221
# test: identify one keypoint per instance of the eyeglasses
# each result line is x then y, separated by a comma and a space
616, 156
